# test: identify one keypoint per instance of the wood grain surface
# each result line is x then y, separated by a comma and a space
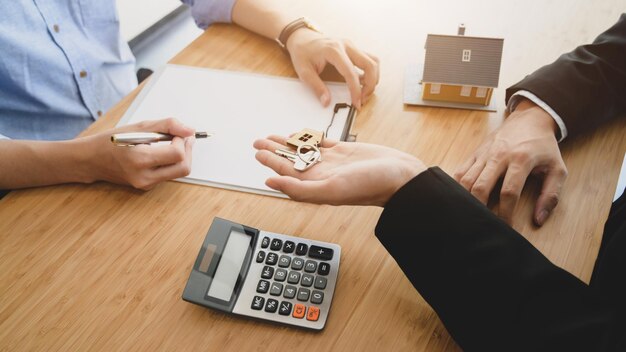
102, 267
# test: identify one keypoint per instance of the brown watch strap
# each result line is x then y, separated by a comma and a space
290, 28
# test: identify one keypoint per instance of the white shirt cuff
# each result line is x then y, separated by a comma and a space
515, 99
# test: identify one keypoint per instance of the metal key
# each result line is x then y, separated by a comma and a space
311, 157
300, 162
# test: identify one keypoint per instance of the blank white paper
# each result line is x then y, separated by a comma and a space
237, 108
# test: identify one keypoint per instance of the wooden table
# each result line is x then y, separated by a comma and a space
102, 267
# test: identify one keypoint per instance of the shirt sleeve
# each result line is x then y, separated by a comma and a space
515, 99
207, 12
489, 286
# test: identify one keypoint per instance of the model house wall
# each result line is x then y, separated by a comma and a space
461, 69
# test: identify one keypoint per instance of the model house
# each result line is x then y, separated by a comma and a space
461, 69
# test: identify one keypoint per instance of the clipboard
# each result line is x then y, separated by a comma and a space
238, 108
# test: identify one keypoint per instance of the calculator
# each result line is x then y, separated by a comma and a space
258, 274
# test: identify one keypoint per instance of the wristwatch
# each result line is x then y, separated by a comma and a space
284, 35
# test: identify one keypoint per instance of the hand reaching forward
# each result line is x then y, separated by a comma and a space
310, 52
350, 173
95, 158
525, 144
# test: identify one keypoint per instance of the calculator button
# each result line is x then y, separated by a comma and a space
267, 272
265, 242
313, 314
323, 269
289, 247
281, 275
271, 305
322, 253
276, 289
276, 244
302, 249
257, 303
320, 282
303, 294
317, 297
260, 256
299, 310
310, 266
294, 277
297, 263
285, 308
272, 258
307, 280
284, 261
263, 286
290, 291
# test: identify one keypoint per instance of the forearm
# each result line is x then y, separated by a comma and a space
267, 18
40, 163
491, 288
586, 87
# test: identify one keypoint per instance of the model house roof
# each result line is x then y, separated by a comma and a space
447, 63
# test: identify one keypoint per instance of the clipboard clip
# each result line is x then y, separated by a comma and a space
346, 136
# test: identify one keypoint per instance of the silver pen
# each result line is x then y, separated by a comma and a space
135, 138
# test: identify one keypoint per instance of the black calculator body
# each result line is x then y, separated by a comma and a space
254, 273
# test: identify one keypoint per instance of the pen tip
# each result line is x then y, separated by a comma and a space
202, 134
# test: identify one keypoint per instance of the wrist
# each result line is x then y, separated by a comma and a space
82, 155
295, 29
409, 168
301, 35
528, 110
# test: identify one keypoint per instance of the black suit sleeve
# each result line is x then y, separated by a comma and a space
586, 87
491, 288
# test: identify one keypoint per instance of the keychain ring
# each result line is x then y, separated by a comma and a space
313, 158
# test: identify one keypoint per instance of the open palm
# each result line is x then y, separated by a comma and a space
350, 173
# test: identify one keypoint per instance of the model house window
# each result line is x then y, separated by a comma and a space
466, 91
435, 88
481, 92
467, 55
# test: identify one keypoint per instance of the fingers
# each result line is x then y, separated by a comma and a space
339, 58
462, 170
487, 179
280, 165
370, 67
301, 191
177, 170
161, 155
310, 77
550, 193
278, 139
468, 180
280, 142
328, 143
169, 125
150, 165
512, 186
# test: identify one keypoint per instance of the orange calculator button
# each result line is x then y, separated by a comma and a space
313, 314
298, 311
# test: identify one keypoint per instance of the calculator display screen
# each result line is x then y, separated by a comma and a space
229, 267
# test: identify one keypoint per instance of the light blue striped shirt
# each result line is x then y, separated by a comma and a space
63, 63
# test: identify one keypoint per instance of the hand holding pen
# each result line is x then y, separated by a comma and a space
143, 166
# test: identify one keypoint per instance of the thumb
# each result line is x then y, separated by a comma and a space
310, 77
550, 193
301, 191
